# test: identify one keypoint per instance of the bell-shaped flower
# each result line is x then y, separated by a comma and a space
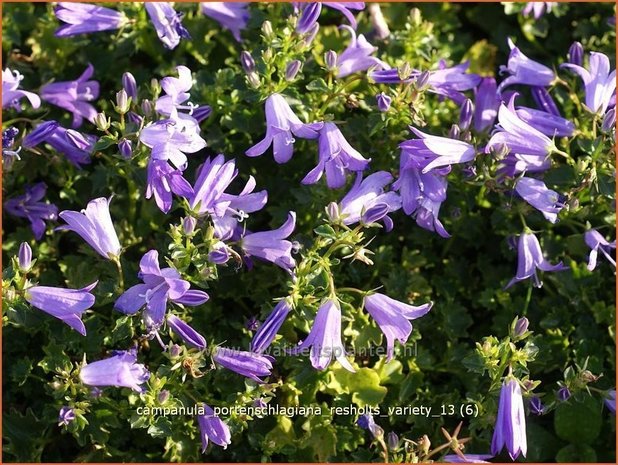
28, 205
523, 70
162, 180
452, 81
67, 305
76, 146
439, 151
167, 23
536, 193
189, 335
597, 243
82, 18
94, 225
547, 123
119, 370
357, 56
510, 427
212, 428
344, 8
249, 364
12, 95
336, 158
324, 339
230, 15
393, 318
529, 258
271, 245
281, 124
544, 100
516, 163
268, 330
486, 104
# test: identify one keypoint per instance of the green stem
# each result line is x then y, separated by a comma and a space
528, 298
120, 273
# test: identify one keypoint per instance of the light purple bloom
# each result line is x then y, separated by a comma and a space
515, 163
271, 245
28, 205
266, 332
65, 416
544, 100
160, 285
212, 428
186, 332
345, 7
94, 225
536, 406
163, 180
393, 318
177, 93
576, 54
486, 104
547, 123
538, 9
523, 70
82, 18
120, 370
529, 258
510, 428
610, 401
563, 394
281, 123
230, 15
468, 458
597, 243
536, 193
451, 81
74, 96
65, 304
383, 101
308, 16
599, 82
357, 56
325, 338
248, 364
24, 256
76, 146
439, 151
167, 23
336, 157
12, 95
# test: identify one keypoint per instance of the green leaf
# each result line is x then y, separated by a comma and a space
578, 422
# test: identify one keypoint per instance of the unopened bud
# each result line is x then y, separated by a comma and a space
267, 29
422, 80
609, 121
175, 350
147, 107
520, 328
155, 86
330, 59
163, 396
454, 132
332, 211
576, 54
564, 394
123, 104
466, 114
247, 62
415, 17
308, 17
311, 35
536, 406
384, 101
499, 151
393, 441
125, 148
24, 257
291, 70
129, 85
254, 80
102, 122
188, 225
404, 71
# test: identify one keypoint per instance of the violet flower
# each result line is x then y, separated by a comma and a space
76, 146
325, 338
510, 428
366, 421
597, 243
529, 258
65, 416
67, 305
82, 18
439, 151
523, 70
212, 428
576, 54
281, 123
383, 101
515, 163
176, 92
162, 180
599, 82
74, 96
486, 104
544, 100
186, 332
536, 193
345, 7
610, 400
452, 81
94, 225
119, 370
536, 406
266, 332
336, 158
24, 257
271, 245
547, 123
247, 364
12, 95
28, 205
308, 17
357, 56
537, 9
393, 318
167, 23
160, 285
230, 15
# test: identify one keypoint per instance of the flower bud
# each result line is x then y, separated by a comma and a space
175, 350
189, 335
422, 80
455, 132
254, 80
201, 113
311, 35
384, 101
125, 148
147, 107
536, 406
129, 85
415, 17
576, 54
332, 211
424, 444
252, 324
155, 85
102, 122
393, 441
247, 62
219, 254
291, 70
609, 121
499, 151
24, 257
520, 328
163, 396
374, 214
466, 114
259, 403
330, 59
267, 29
188, 225
564, 394
122, 102
308, 17
404, 71
135, 118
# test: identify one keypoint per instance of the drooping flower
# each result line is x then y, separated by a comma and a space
599, 82
336, 158
597, 242
547, 123
162, 180
28, 205
12, 95
439, 151
393, 318
266, 332
357, 56
74, 96
281, 123
610, 401
186, 332
249, 364
538, 9
271, 245
451, 81
212, 428
65, 416
367, 422
486, 104
76, 146
510, 428
82, 18
119, 370
523, 70
160, 285
529, 258
94, 225
167, 23
536, 193
65, 304
324, 339
230, 15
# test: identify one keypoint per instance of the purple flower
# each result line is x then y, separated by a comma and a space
596, 242
536, 406
186, 332
336, 157
231, 15
24, 257
544, 100
515, 163
129, 85
383, 101
281, 123
28, 206
213, 428
357, 56
393, 318
271, 245
248, 364
94, 225
576, 54
610, 400
537, 9
159, 286
536, 193
523, 70
599, 82
120, 370
308, 17
510, 428
77, 147
439, 151
74, 96
65, 304
466, 113
345, 7
450, 82
325, 338
547, 123
266, 332
82, 18
468, 458
529, 258
167, 23
11, 95
367, 422
486, 104
564, 394
163, 180
65, 416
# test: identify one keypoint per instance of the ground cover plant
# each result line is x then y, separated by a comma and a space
308, 232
